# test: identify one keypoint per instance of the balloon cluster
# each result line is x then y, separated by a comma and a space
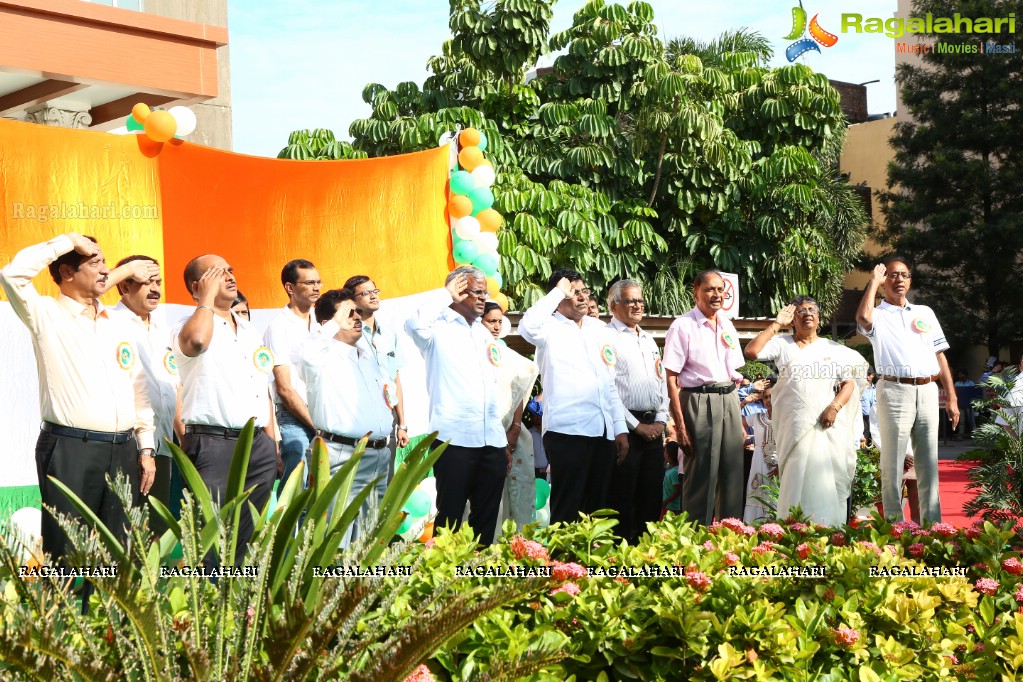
474, 222
160, 125
420, 510
543, 508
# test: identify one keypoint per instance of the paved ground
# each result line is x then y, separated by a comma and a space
952, 448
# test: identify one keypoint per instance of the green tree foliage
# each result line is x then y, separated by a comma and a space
634, 158
957, 206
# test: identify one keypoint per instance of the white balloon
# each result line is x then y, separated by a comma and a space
543, 517
26, 525
185, 119
483, 176
445, 138
485, 241
467, 228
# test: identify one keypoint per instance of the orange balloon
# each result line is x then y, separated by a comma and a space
470, 137
160, 126
490, 220
468, 158
501, 300
427, 532
140, 112
459, 206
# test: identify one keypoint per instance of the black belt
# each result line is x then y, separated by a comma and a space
913, 381
116, 437
345, 440
711, 388
647, 417
203, 430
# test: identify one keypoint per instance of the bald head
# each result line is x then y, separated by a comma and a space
200, 265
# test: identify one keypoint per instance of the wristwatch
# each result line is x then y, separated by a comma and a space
403, 428
147, 452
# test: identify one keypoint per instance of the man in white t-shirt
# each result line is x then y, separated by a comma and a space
909, 355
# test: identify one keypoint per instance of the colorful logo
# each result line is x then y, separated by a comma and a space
728, 339
799, 31
608, 355
263, 359
659, 369
921, 326
494, 354
125, 355
169, 363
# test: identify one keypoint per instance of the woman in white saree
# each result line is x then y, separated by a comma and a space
816, 413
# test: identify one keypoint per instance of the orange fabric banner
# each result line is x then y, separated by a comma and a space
380, 217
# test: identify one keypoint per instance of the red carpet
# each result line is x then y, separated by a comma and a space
952, 481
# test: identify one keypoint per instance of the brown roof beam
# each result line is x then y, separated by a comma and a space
120, 108
37, 94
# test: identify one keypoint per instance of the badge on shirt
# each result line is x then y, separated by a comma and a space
728, 339
921, 326
169, 363
125, 355
263, 359
608, 355
390, 396
494, 354
659, 369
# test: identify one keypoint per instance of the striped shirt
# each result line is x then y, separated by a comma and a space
638, 373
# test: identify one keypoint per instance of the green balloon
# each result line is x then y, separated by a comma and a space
462, 183
405, 525
543, 491
465, 251
482, 199
131, 124
483, 142
487, 262
418, 503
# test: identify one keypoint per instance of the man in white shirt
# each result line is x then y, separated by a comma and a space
909, 354
93, 398
461, 378
345, 390
152, 341
284, 334
225, 374
637, 482
584, 427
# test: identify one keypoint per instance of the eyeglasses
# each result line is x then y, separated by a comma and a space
311, 282
581, 292
371, 292
898, 275
809, 310
479, 293
634, 301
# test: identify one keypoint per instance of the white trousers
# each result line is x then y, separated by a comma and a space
908, 414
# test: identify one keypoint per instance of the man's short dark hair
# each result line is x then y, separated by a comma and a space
193, 272
289, 274
356, 280
570, 275
72, 258
327, 303
887, 262
703, 276
132, 259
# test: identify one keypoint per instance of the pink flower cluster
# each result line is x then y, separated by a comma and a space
904, 526
803, 551
986, 585
764, 547
569, 588
844, 636
569, 571
421, 674
800, 527
736, 526
1012, 565
528, 549
709, 546
772, 530
698, 580
973, 532
867, 544
838, 539
731, 558
917, 550
945, 530
1019, 595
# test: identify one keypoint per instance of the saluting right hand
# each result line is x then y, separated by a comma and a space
458, 288
84, 246
144, 270
566, 287
786, 315
343, 315
880, 272
209, 285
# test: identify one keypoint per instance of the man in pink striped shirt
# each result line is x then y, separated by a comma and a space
702, 358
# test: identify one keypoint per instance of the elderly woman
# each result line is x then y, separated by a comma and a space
816, 415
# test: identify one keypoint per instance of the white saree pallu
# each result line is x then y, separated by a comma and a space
516, 376
816, 465
760, 470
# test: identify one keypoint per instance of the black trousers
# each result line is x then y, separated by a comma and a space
82, 466
212, 455
866, 429
581, 471
473, 475
161, 490
636, 486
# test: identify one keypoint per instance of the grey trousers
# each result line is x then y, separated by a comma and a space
909, 414
713, 484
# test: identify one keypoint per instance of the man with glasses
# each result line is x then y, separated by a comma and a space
584, 426
639, 376
383, 341
702, 360
302, 284
462, 361
909, 355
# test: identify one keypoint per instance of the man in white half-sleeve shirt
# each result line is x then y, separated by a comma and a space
461, 378
638, 481
584, 426
92, 396
345, 391
225, 374
284, 334
909, 356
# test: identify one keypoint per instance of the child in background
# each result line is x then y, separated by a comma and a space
533, 417
671, 489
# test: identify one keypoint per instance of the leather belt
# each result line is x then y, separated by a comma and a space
914, 381
645, 417
204, 430
116, 437
377, 444
711, 388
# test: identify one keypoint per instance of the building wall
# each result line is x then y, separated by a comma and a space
213, 127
